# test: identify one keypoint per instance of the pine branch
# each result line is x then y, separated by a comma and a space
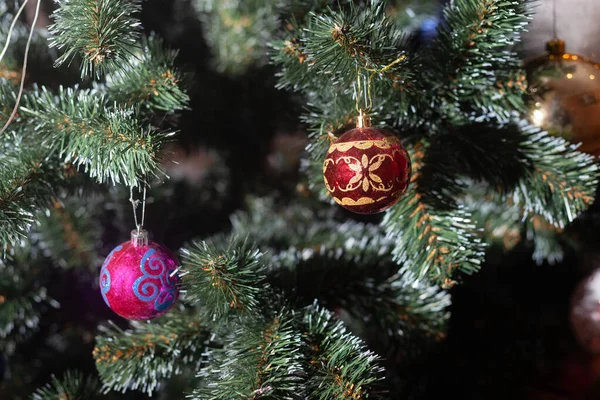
73, 386
341, 366
23, 297
476, 46
149, 79
338, 42
26, 185
498, 218
276, 227
263, 362
561, 182
223, 279
103, 33
483, 152
366, 283
86, 131
48, 127
150, 352
68, 234
324, 51
432, 241
238, 32
527, 175
505, 224
342, 264
546, 238
289, 53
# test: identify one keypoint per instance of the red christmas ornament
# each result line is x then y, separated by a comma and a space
585, 312
138, 279
367, 169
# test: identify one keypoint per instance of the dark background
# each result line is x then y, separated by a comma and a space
509, 333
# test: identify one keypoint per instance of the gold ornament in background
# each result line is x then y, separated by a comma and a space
566, 89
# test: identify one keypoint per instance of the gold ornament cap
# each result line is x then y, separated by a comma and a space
363, 120
556, 47
139, 237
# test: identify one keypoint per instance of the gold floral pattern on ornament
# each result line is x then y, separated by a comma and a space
385, 143
347, 201
365, 173
325, 164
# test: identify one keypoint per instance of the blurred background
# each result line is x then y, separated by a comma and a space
509, 335
574, 25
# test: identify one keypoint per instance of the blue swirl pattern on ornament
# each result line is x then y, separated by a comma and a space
145, 288
105, 275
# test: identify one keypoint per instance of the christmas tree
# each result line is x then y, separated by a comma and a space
209, 125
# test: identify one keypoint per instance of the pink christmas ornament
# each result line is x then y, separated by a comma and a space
585, 312
138, 279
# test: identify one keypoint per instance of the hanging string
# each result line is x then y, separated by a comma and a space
135, 204
360, 93
359, 86
143, 205
554, 19
369, 97
24, 71
12, 27
357, 90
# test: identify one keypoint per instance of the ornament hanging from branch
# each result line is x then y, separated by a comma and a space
566, 92
367, 169
566, 95
138, 279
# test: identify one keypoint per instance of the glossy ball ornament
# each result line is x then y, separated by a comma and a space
367, 169
584, 313
566, 88
137, 279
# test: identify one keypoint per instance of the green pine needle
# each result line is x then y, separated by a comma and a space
299, 226
238, 32
473, 63
23, 297
264, 361
149, 79
105, 140
498, 219
103, 33
366, 284
338, 42
562, 181
341, 365
433, 240
223, 279
27, 183
72, 386
547, 240
67, 232
343, 264
140, 358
